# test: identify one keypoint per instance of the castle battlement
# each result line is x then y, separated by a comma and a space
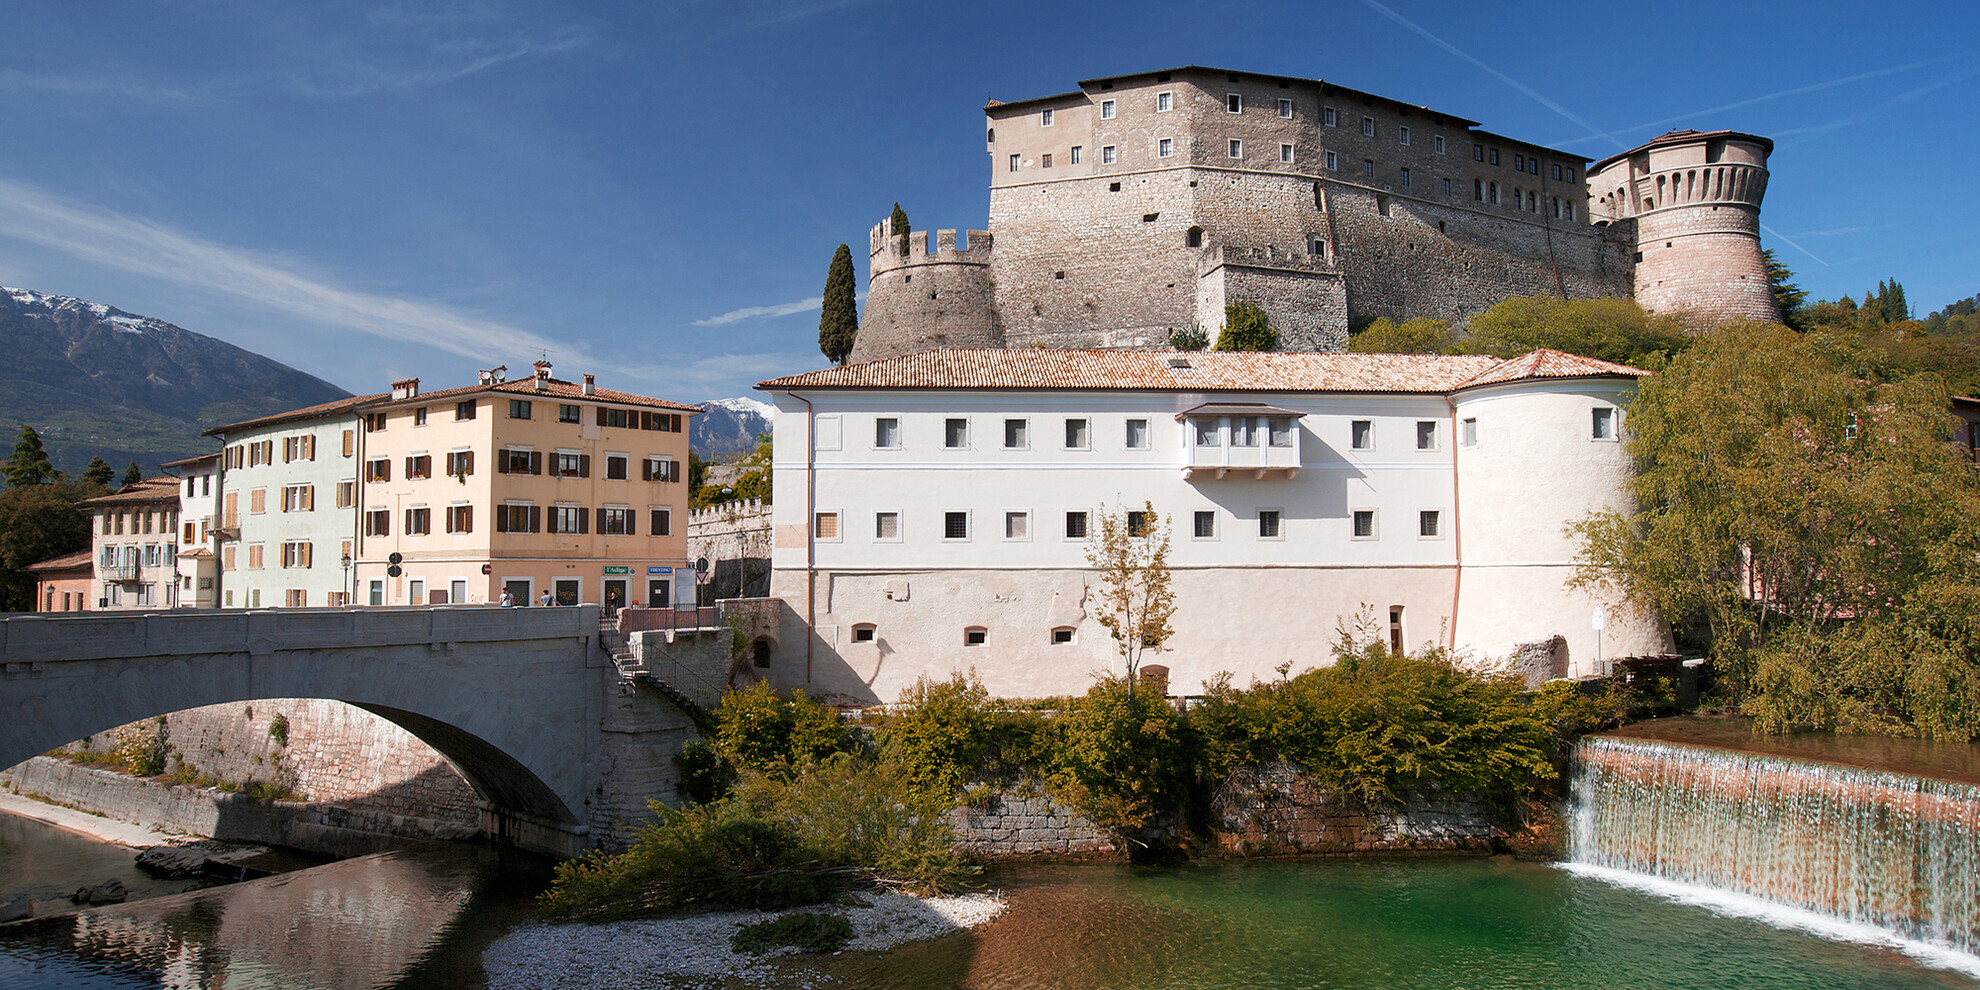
886, 251
1267, 256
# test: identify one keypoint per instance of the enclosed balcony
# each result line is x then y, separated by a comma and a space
1246, 439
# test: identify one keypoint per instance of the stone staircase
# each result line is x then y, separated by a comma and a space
618, 645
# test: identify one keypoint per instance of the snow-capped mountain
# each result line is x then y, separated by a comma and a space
727, 428
94, 380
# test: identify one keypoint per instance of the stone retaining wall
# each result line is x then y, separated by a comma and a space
1012, 826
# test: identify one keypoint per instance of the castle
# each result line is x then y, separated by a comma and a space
1139, 205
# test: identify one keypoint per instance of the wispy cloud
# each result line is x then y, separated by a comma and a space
444, 61
125, 89
724, 375
1637, 129
1878, 110
135, 244
763, 312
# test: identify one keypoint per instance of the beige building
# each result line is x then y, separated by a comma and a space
533, 487
134, 537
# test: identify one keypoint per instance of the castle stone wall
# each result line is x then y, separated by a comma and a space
1705, 259
918, 298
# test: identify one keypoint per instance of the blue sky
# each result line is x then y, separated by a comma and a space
651, 191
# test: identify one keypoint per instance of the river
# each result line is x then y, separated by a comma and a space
419, 920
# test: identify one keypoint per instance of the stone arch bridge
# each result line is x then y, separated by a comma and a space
561, 745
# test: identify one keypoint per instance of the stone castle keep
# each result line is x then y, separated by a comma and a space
1140, 205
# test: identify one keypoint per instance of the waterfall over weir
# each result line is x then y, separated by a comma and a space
1860, 847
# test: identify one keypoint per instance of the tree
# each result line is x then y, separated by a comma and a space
838, 318
38, 522
29, 465
1607, 329
1788, 296
1246, 328
99, 472
1135, 602
1816, 522
1419, 336
901, 226
132, 475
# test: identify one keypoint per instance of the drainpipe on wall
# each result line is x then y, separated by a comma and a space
810, 545
1457, 528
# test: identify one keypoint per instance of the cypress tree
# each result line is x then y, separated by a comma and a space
901, 226
132, 475
1895, 308
29, 465
838, 318
99, 472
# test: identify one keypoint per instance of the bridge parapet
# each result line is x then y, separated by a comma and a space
33, 638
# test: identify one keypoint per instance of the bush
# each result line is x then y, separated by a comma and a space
762, 731
704, 775
941, 736
141, 747
1246, 328
278, 729
803, 931
1125, 758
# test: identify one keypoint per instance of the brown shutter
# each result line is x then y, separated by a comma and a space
350, 442
601, 519
584, 465
467, 462
502, 462
584, 520
308, 554
535, 518
501, 519
467, 518
632, 522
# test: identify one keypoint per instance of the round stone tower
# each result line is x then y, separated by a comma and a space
918, 299
1695, 197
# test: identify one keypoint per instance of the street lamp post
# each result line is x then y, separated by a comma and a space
349, 591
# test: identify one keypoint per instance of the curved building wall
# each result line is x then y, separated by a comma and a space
1536, 465
919, 299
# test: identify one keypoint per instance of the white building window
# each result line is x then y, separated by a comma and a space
1603, 426
863, 632
1285, 152
1106, 109
1078, 436
1045, 160
1014, 163
1045, 117
1017, 434
1165, 102
1468, 432
975, 636
1076, 524
1165, 147
955, 433
887, 433
1361, 434
824, 525
1268, 524
1236, 148
1203, 525
1075, 155
1106, 154
1428, 522
1017, 525
1137, 434
887, 526
1285, 108
1426, 434
1364, 524
1280, 431
955, 525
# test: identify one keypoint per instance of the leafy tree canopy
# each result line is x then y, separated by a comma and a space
1246, 328
1609, 329
132, 475
37, 523
1419, 336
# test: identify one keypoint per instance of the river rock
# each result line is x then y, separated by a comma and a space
18, 908
172, 862
111, 891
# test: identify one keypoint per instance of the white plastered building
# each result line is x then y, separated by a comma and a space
932, 511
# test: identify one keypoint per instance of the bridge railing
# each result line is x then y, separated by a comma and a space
43, 637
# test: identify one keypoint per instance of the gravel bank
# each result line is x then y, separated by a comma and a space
636, 953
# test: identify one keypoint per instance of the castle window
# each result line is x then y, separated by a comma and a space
1532, 201
1402, 136
1438, 141
1196, 237
1014, 163
1555, 207
1107, 158
1164, 102
990, 137
1106, 109
1165, 147
1570, 209
1327, 117
1236, 146
1447, 187
1285, 109
1405, 178
1045, 118
1234, 102
1569, 173
1493, 191
1319, 248
1519, 163
1285, 152
1150, 217
1045, 160
1495, 156
1333, 162
1477, 152
1113, 187
1367, 127
1074, 155
1368, 168
1478, 190
1557, 173
1382, 204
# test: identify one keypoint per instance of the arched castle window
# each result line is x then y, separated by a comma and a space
1196, 237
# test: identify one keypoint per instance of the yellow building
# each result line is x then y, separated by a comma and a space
529, 487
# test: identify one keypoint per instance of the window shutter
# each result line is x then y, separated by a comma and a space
535, 518
467, 518
601, 415
502, 462
584, 520
501, 519
632, 524
309, 447
601, 520
409, 521
308, 554
409, 467
535, 462
584, 465
467, 462
309, 498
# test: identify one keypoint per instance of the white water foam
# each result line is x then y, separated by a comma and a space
1727, 903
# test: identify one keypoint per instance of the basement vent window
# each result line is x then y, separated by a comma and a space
1113, 187
1059, 275
863, 633
1150, 217
975, 636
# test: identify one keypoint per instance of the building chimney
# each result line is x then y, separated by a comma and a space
405, 388
543, 376
590, 385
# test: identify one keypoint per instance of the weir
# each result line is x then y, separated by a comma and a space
1864, 847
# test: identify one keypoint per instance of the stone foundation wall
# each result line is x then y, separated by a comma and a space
1278, 810
1012, 826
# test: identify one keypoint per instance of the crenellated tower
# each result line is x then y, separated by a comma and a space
1695, 197
920, 297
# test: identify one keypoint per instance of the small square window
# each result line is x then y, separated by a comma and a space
1285, 109
975, 636
1076, 525
1603, 426
1402, 136
955, 525
1333, 162
1236, 148
1327, 117
1268, 524
1045, 118
1106, 154
825, 525
1468, 432
567, 413
1106, 109
1361, 434
1204, 525
1367, 127
419, 416
886, 525
1062, 635
1426, 524
1137, 434
1426, 434
1074, 155
1045, 160
1017, 434
863, 633
1165, 147
1076, 435
1137, 522
1234, 102
1164, 102
1017, 525
955, 433
1364, 524
519, 409
887, 432
1285, 152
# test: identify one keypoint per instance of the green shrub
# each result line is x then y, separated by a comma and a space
142, 748
941, 736
762, 731
704, 775
1246, 328
804, 931
1124, 758
278, 729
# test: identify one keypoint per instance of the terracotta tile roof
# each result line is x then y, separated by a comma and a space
1192, 371
164, 489
558, 389
1545, 363
334, 408
67, 562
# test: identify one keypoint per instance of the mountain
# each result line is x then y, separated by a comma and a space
728, 427
94, 380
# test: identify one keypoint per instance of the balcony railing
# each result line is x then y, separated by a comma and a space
119, 572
